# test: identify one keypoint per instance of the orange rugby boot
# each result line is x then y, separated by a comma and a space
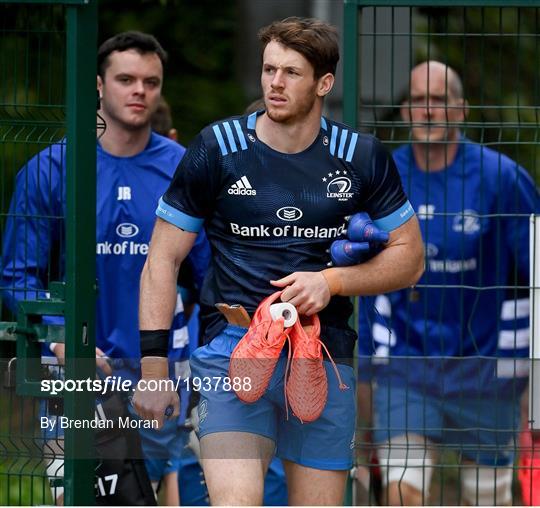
257, 353
306, 388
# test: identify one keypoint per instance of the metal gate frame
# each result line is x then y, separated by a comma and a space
350, 31
80, 222
351, 54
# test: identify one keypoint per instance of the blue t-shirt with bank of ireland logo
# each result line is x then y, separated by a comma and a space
268, 214
474, 219
127, 191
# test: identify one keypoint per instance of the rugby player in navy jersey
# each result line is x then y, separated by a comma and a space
273, 190
449, 358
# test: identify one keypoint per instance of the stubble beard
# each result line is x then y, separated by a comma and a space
299, 112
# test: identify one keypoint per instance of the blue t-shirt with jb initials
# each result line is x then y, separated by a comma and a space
268, 214
127, 191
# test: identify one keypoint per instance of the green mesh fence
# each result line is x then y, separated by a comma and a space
451, 352
26, 455
32, 97
45, 96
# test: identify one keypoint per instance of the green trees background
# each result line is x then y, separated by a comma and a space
201, 82
498, 60
201, 38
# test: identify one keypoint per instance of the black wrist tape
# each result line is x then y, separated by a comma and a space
154, 343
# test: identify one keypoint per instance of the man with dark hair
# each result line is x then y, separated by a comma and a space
191, 480
316, 41
139, 42
134, 168
273, 190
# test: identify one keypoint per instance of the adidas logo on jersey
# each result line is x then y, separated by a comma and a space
242, 187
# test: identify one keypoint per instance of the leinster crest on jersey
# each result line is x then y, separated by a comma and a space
338, 185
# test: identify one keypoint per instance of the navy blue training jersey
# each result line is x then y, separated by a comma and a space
269, 214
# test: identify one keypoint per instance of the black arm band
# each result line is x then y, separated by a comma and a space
154, 343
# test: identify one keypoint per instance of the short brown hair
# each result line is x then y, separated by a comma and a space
317, 41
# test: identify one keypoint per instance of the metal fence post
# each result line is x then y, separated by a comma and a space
534, 379
80, 245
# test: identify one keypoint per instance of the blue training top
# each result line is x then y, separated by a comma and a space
268, 214
473, 244
128, 189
